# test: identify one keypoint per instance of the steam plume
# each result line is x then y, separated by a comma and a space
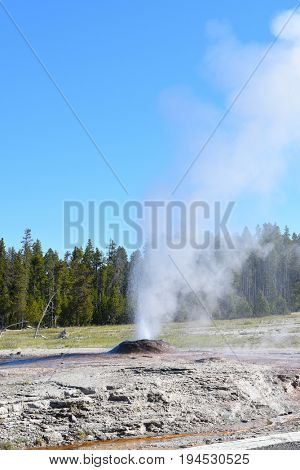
249, 155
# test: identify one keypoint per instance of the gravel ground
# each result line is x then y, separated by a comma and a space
180, 399
283, 446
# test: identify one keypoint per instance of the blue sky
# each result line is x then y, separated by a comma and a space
114, 60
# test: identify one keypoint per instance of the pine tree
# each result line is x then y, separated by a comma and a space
280, 306
98, 266
81, 295
262, 306
114, 285
4, 293
52, 265
26, 252
296, 296
62, 297
115, 306
36, 300
18, 288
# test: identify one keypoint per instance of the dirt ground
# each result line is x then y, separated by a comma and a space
184, 398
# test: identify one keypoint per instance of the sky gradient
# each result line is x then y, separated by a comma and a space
115, 62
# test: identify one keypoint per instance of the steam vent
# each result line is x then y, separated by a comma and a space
142, 346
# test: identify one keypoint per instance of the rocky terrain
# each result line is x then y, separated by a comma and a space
189, 398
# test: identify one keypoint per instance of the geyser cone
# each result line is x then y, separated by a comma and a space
142, 346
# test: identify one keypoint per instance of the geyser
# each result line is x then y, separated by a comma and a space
241, 158
141, 346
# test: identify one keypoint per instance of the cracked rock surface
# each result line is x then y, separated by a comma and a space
102, 398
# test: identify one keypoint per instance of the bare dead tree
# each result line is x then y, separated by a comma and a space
43, 315
3, 330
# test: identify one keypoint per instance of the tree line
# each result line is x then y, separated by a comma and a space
88, 286
269, 283
85, 287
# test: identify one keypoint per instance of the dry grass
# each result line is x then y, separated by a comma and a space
271, 331
78, 337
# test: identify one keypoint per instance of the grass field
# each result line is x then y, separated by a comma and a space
272, 331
